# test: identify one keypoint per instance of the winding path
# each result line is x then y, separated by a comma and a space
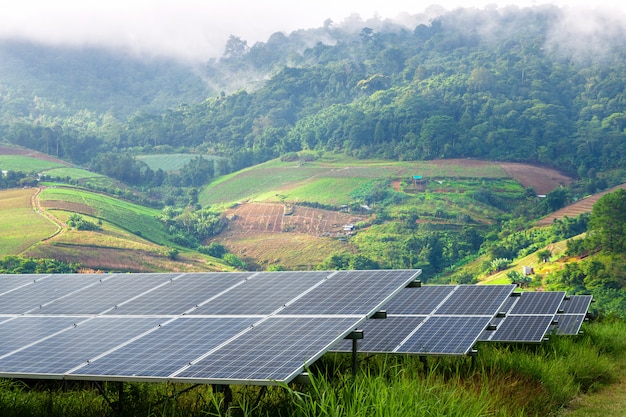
38, 208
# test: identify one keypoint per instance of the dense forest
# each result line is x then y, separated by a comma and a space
503, 84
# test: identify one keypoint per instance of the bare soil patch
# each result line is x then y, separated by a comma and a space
278, 218
573, 210
68, 206
542, 180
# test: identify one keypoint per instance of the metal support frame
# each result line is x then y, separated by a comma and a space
355, 336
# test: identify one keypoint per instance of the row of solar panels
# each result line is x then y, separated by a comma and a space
450, 320
253, 328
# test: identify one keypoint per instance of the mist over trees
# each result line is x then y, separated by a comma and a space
494, 84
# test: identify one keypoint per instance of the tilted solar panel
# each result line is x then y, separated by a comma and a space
43, 291
433, 320
182, 294
260, 328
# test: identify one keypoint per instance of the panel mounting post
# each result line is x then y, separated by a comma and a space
355, 336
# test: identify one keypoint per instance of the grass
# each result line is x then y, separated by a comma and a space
26, 163
264, 181
502, 381
128, 216
171, 162
20, 226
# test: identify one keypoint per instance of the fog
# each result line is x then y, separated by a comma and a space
196, 30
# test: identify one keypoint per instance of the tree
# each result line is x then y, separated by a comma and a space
544, 255
607, 224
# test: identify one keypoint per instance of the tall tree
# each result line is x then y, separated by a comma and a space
607, 223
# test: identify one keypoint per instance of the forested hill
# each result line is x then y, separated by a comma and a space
506, 84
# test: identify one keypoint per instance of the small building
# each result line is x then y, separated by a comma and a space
528, 270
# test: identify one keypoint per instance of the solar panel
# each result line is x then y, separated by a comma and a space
251, 327
433, 320
167, 349
445, 335
43, 291
528, 317
572, 314
349, 292
106, 294
63, 351
263, 293
277, 349
181, 294
10, 282
576, 304
521, 328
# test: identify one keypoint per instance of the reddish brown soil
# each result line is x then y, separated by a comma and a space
542, 180
68, 206
255, 217
583, 206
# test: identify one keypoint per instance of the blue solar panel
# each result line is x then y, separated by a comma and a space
576, 304
21, 331
476, 300
263, 294
538, 302
569, 324
521, 328
106, 294
277, 349
182, 294
384, 335
419, 300
204, 327
351, 292
445, 335
167, 349
68, 349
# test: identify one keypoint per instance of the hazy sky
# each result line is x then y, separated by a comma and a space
198, 29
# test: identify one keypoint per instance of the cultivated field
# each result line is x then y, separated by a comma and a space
542, 180
582, 206
20, 225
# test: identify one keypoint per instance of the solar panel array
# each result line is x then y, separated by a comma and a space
220, 328
572, 313
528, 318
433, 320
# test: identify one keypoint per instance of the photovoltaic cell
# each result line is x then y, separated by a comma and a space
275, 350
445, 335
167, 349
22, 331
44, 291
181, 295
576, 304
569, 324
263, 294
10, 282
538, 302
419, 300
521, 328
68, 349
384, 335
476, 300
203, 327
350, 292
106, 294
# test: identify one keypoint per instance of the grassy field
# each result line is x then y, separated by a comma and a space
26, 163
332, 177
128, 216
171, 162
20, 225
